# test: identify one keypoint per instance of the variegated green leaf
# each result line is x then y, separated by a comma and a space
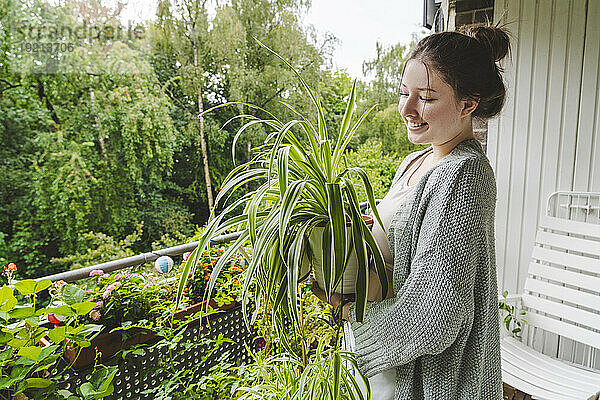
337, 218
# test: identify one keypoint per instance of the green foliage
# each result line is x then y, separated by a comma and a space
318, 326
100, 383
122, 297
170, 240
326, 376
101, 248
228, 285
513, 318
271, 372
139, 297
82, 147
115, 141
387, 127
184, 384
28, 361
386, 67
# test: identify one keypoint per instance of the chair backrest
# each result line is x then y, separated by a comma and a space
562, 289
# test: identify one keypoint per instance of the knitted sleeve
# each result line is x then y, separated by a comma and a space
436, 300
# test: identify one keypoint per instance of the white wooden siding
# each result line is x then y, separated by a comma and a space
546, 138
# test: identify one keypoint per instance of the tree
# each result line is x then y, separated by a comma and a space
90, 140
234, 68
183, 28
387, 67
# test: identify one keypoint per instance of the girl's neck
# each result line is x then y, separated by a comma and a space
441, 150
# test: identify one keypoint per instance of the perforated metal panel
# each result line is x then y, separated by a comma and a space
134, 377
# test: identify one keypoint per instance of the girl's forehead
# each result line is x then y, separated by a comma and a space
418, 76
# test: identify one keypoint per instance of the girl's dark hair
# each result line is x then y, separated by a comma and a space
467, 61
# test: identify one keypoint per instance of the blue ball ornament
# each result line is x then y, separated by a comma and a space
163, 264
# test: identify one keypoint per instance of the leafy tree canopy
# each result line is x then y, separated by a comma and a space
105, 135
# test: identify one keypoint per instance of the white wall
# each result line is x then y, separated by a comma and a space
546, 138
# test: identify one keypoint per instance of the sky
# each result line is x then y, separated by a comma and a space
358, 25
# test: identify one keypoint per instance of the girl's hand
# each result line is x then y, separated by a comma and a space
335, 300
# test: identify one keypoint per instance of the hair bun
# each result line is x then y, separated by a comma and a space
494, 39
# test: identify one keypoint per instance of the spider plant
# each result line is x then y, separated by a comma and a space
328, 375
304, 183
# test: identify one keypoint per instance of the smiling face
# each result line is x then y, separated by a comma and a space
430, 110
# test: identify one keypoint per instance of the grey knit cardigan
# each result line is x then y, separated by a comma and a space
441, 330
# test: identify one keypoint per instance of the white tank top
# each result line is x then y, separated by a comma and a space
387, 207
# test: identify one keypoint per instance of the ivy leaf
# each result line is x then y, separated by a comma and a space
100, 384
26, 286
72, 294
63, 310
136, 352
17, 343
42, 284
22, 312
6, 337
19, 373
47, 363
83, 308
37, 383
102, 378
47, 352
57, 334
23, 361
5, 383
30, 286
7, 299
66, 394
6, 354
31, 352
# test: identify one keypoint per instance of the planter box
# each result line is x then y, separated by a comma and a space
110, 343
194, 308
132, 377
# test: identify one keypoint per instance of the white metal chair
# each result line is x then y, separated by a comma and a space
562, 303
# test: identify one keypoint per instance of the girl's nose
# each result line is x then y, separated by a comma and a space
408, 106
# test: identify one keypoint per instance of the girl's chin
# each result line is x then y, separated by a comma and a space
417, 138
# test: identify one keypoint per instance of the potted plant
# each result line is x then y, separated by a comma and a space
132, 306
116, 299
305, 189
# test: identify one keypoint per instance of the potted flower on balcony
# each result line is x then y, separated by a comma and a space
305, 195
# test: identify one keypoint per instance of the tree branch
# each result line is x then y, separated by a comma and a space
42, 95
10, 85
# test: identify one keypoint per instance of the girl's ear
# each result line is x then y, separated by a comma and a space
469, 106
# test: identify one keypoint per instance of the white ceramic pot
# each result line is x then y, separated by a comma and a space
348, 282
